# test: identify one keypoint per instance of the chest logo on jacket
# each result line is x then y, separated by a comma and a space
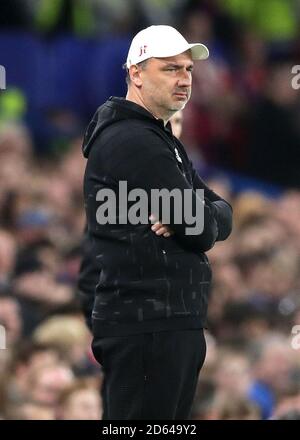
177, 155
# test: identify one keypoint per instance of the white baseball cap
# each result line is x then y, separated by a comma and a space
160, 42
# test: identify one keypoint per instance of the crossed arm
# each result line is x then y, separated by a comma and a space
222, 211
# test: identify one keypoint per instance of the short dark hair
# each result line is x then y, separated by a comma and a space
142, 64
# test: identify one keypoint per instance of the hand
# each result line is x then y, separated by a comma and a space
159, 228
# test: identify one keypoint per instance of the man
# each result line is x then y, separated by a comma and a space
89, 270
150, 301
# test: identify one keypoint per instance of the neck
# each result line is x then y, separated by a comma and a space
138, 99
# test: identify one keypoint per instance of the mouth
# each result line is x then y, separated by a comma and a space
181, 95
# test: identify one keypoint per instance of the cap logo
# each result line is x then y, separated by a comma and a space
142, 50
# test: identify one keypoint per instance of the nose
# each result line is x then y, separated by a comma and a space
185, 79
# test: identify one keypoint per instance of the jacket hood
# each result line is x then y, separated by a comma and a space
112, 111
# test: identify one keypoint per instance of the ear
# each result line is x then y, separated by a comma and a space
135, 75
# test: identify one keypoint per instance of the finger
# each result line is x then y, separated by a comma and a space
152, 218
156, 226
167, 229
161, 231
169, 233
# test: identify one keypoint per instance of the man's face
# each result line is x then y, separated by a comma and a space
166, 83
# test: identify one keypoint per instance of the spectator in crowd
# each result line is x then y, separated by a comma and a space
10, 318
47, 382
81, 401
8, 249
68, 334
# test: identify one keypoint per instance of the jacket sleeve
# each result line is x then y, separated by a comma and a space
223, 210
146, 162
87, 279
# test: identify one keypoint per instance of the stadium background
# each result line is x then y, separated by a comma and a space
63, 59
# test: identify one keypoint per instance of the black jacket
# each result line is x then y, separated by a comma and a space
134, 280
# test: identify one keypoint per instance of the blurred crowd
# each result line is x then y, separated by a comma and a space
244, 115
47, 370
253, 362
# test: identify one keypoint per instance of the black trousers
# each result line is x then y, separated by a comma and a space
150, 376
